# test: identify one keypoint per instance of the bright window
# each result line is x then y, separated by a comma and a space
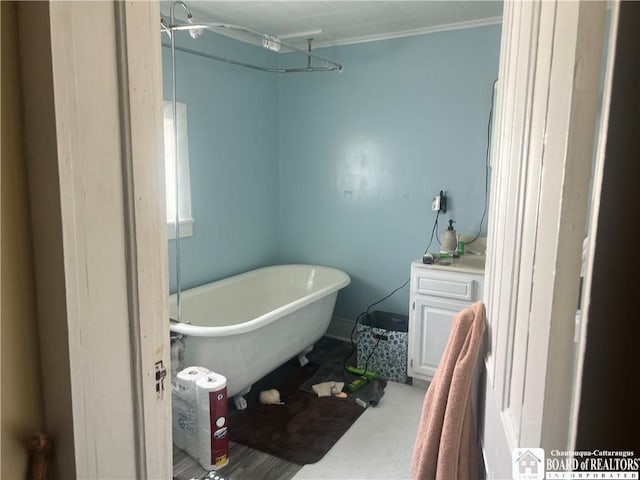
184, 188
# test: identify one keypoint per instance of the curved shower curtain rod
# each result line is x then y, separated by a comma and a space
268, 42
195, 30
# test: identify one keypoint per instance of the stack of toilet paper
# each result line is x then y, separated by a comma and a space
200, 416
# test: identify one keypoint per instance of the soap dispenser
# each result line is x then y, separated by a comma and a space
449, 241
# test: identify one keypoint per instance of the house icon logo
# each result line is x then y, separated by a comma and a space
528, 464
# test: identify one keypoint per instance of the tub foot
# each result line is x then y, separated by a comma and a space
239, 400
302, 358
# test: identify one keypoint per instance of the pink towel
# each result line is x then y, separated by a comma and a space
445, 446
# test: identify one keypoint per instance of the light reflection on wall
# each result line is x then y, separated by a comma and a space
361, 170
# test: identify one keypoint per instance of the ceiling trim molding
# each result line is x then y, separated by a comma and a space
483, 22
410, 33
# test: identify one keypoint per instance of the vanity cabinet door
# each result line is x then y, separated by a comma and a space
431, 324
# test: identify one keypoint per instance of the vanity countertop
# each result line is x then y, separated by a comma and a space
466, 263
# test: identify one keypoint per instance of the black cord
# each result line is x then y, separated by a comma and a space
366, 363
353, 345
435, 227
383, 299
486, 166
366, 314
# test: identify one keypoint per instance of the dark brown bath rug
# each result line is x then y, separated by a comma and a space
303, 429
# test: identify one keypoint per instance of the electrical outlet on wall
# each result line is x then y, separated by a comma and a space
435, 205
439, 203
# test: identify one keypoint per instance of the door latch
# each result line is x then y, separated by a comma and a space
161, 373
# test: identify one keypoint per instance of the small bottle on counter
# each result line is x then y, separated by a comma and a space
460, 246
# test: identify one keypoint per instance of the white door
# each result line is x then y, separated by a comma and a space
541, 164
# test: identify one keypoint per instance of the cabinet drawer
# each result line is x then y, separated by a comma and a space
449, 287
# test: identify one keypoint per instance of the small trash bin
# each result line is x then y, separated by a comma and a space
383, 339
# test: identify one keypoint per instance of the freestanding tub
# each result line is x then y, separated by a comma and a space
245, 326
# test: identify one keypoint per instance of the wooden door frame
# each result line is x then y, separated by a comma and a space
562, 214
546, 118
140, 63
604, 400
93, 106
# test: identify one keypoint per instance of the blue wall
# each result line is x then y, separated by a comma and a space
233, 152
362, 154
335, 169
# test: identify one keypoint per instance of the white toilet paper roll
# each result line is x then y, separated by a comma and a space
178, 416
213, 440
187, 378
185, 419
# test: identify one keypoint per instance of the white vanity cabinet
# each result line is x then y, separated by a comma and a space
438, 293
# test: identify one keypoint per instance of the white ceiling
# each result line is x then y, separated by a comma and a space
343, 22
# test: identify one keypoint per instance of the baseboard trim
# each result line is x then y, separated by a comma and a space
340, 329
419, 383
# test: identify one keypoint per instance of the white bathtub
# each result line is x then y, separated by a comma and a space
247, 325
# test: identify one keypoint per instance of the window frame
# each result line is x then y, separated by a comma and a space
186, 220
